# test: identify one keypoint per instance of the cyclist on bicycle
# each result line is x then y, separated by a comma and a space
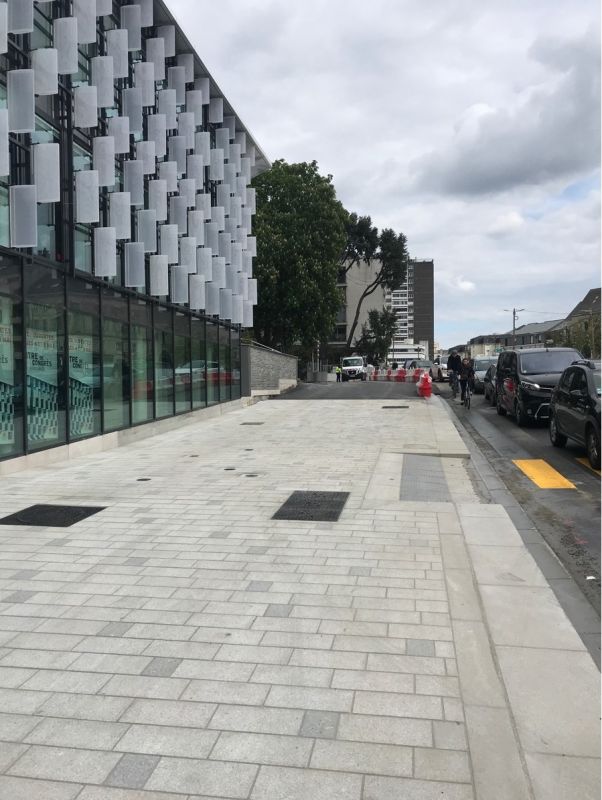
466, 376
454, 364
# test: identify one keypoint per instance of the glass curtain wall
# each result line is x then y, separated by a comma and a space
183, 375
83, 340
45, 344
115, 361
225, 365
212, 364
11, 360
143, 378
164, 362
235, 355
198, 359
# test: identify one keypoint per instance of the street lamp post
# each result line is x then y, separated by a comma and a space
514, 318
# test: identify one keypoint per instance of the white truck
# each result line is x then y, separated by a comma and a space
353, 368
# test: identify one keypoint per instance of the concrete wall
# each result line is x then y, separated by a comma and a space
267, 371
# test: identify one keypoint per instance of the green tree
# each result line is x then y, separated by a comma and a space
300, 227
361, 244
392, 255
377, 335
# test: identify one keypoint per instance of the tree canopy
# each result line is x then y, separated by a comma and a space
301, 233
377, 335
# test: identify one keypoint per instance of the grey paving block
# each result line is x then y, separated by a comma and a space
320, 724
359, 571
20, 596
162, 740
116, 629
385, 730
420, 647
24, 575
378, 788
26, 789
162, 667
134, 561
168, 712
74, 732
85, 706
367, 758
132, 771
80, 766
9, 753
259, 586
441, 765
257, 720
258, 748
282, 783
257, 551
278, 610
205, 777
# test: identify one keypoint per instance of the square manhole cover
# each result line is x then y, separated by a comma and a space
313, 506
51, 516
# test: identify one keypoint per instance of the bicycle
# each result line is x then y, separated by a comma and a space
467, 396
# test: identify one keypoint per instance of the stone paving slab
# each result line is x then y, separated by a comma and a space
184, 644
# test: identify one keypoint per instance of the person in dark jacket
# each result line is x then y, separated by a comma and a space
466, 376
454, 364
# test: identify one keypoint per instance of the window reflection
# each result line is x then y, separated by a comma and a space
116, 361
164, 363
11, 361
212, 364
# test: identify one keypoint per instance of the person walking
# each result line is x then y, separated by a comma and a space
466, 376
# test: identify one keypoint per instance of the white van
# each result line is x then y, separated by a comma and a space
353, 368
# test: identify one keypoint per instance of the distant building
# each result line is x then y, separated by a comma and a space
413, 304
581, 329
352, 285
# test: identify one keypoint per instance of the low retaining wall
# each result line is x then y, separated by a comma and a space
266, 371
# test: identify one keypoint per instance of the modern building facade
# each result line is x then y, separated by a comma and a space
413, 305
126, 247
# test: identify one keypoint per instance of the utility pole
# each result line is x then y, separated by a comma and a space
514, 318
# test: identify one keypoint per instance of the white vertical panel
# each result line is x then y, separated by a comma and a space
103, 154
133, 181
187, 188
104, 8
253, 290
145, 152
21, 101
169, 243
194, 103
219, 272
3, 28
225, 247
157, 132
23, 211
146, 16
132, 107
186, 128
237, 256
117, 48
195, 168
216, 110
212, 236
167, 105
218, 216
223, 197
157, 198
65, 41
86, 196
188, 245
251, 153
203, 85
159, 276
179, 285
251, 200
251, 245
235, 210
225, 304
230, 124
186, 60
168, 32
178, 213
47, 172
216, 165
245, 168
204, 263
46, 71
119, 129
85, 12
235, 155
211, 299
247, 263
202, 146
222, 141
197, 292
237, 309
144, 79
120, 214
240, 138
135, 277
176, 147
230, 277
196, 226
102, 77
131, 20
241, 189
146, 229
86, 106
230, 176
176, 79
20, 16
247, 314
203, 203
4, 149
105, 253
168, 171
155, 52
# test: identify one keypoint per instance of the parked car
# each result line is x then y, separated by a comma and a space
440, 371
575, 409
422, 365
525, 379
489, 384
480, 366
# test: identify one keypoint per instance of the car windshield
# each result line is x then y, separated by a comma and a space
482, 364
353, 362
423, 364
547, 361
597, 382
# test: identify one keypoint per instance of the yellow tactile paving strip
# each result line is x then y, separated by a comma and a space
542, 474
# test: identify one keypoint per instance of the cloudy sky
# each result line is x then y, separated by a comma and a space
473, 127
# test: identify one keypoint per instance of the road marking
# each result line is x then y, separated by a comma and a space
542, 474
586, 463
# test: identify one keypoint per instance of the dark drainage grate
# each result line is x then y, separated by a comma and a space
251, 423
315, 506
51, 516
394, 406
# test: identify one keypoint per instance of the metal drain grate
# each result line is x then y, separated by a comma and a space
313, 506
51, 516
252, 423
394, 406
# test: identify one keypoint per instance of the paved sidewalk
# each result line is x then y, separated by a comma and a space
184, 644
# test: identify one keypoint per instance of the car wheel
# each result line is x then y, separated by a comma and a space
499, 407
593, 448
519, 414
558, 439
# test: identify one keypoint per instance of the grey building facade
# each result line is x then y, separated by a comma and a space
413, 304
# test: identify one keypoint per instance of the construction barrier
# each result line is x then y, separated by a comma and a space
424, 386
401, 375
